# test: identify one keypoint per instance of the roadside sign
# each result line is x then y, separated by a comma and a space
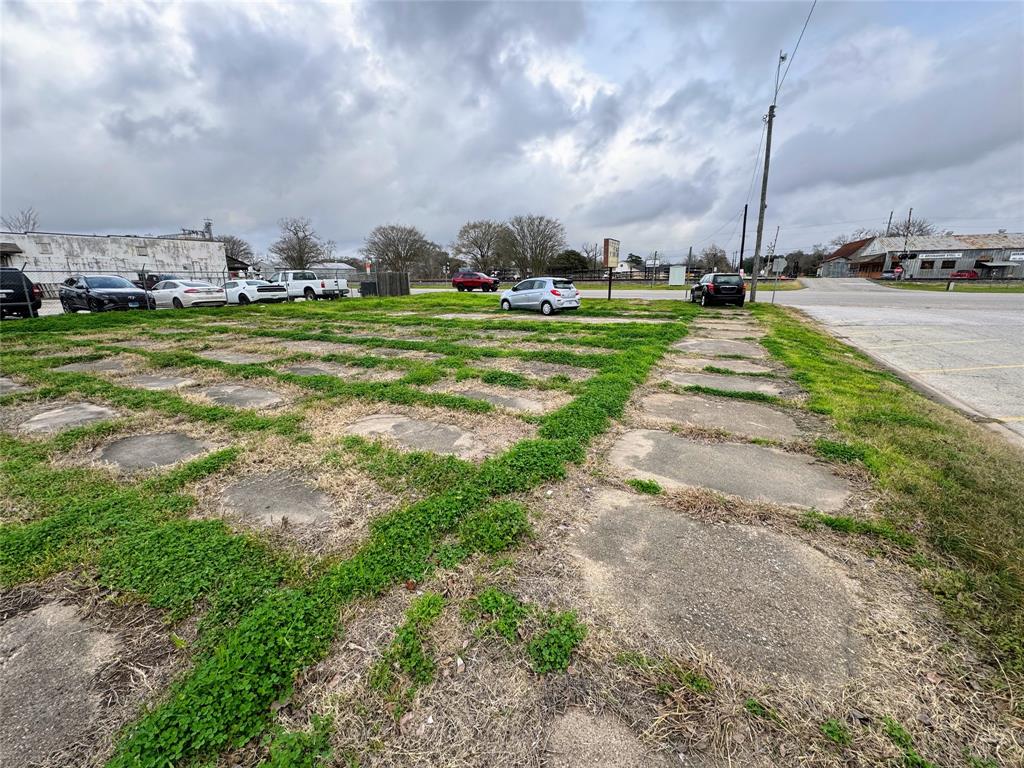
677, 275
611, 253
778, 265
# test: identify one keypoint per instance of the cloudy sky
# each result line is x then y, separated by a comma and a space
632, 120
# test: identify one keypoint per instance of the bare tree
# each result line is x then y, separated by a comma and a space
237, 249
911, 228
713, 258
594, 254
300, 247
479, 242
25, 220
534, 241
397, 248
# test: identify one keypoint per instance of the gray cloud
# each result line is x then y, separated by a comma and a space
685, 197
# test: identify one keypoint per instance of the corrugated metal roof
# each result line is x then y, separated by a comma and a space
916, 243
849, 249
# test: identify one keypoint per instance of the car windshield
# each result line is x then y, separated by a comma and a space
562, 284
728, 280
304, 276
194, 284
107, 281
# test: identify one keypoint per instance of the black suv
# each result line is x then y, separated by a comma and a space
18, 295
99, 293
719, 288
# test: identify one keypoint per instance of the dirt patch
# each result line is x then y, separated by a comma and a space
11, 387
322, 347
580, 739
236, 358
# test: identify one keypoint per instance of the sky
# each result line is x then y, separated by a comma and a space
638, 121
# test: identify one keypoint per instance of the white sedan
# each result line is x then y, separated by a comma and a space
254, 291
188, 293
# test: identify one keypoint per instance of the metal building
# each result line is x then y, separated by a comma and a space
922, 257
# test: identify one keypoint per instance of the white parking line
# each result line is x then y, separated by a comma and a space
970, 368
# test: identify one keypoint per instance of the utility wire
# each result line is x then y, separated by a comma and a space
793, 54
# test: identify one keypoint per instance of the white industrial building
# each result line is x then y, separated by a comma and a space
51, 257
922, 257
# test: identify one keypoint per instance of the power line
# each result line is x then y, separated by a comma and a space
795, 48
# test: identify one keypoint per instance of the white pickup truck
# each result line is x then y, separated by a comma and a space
302, 283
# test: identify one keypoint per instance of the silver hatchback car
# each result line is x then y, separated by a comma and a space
546, 294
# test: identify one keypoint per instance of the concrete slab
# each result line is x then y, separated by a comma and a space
323, 347
421, 435
277, 497
236, 358
579, 739
11, 387
769, 605
353, 373
413, 354
242, 396
752, 472
513, 402
735, 416
535, 368
723, 381
685, 363
49, 658
104, 365
720, 347
705, 332
66, 417
148, 451
160, 383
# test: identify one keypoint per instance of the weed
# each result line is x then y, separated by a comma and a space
847, 453
405, 659
835, 731
301, 749
757, 709
644, 486
881, 529
899, 736
757, 397
494, 528
551, 650
503, 611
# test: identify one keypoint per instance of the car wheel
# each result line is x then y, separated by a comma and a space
704, 300
177, 303
547, 309
310, 294
243, 299
64, 305
739, 303
94, 306
459, 288
506, 305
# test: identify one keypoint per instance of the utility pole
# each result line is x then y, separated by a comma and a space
689, 261
888, 227
764, 183
743, 239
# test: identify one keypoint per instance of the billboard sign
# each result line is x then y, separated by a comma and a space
611, 252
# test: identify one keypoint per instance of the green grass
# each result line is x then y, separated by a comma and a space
265, 615
644, 486
948, 483
835, 731
665, 675
406, 666
960, 286
899, 736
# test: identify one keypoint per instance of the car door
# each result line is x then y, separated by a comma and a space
519, 296
231, 291
80, 293
163, 293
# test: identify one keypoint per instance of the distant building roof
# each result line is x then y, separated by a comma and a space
873, 247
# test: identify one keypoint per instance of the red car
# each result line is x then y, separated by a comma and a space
964, 274
467, 281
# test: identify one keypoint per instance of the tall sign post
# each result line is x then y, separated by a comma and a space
611, 260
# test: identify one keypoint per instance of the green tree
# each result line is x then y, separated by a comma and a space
569, 260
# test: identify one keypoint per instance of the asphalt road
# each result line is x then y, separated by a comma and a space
965, 348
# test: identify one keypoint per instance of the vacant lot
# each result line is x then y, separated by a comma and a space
421, 532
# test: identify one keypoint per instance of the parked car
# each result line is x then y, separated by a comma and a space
102, 293
546, 294
719, 288
467, 281
964, 274
304, 284
188, 293
18, 295
254, 292
148, 279
890, 274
